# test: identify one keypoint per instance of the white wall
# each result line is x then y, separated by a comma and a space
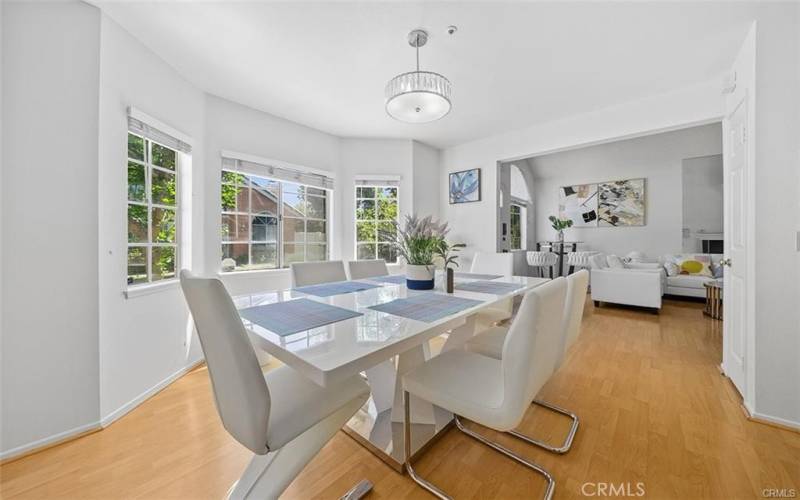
691, 105
233, 127
372, 156
49, 211
702, 200
657, 158
143, 340
426, 179
777, 168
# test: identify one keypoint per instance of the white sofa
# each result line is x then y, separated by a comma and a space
644, 283
639, 284
689, 286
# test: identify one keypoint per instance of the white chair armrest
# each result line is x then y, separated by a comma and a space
636, 287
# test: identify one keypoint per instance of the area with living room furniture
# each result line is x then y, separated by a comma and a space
399, 249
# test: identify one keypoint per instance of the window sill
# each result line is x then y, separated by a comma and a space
150, 288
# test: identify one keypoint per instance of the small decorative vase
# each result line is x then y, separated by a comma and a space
420, 277
450, 279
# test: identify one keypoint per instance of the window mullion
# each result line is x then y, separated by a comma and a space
148, 181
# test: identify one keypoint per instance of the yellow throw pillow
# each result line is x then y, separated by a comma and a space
696, 267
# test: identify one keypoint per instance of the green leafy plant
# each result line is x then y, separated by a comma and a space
448, 252
420, 241
559, 224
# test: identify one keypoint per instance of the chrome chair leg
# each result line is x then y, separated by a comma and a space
551, 483
573, 429
407, 447
358, 491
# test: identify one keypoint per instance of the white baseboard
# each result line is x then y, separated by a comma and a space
775, 420
141, 398
49, 440
102, 423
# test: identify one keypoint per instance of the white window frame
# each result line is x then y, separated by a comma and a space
279, 242
356, 220
149, 206
522, 223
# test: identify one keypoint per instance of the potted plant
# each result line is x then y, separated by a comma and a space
448, 254
560, 225
419, 242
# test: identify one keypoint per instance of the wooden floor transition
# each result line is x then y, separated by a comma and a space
654, 410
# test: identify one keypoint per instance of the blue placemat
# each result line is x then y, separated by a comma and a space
397, 279
338, 288
476, 276
286, 318
493, 287
426, 307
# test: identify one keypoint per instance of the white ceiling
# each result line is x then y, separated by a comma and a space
511, 64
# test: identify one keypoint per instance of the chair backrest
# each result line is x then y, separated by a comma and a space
577, 284
367, 268
541, 258
240, 391
493, 263
532, 345
314, 273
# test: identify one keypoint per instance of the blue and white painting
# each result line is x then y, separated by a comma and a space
465, 186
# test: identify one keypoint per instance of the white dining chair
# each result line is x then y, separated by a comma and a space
579, 260
314, 273
282, 417
494, 263
541, 261
492, 392
367, 268
490, 343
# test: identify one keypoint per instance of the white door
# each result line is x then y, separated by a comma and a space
738, 140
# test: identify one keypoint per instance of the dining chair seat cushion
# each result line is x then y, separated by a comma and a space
489, 342
298, 403
465, 383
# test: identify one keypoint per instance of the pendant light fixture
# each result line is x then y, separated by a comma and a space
418, 96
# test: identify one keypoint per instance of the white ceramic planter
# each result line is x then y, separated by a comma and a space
420, 277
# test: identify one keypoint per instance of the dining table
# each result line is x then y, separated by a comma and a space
381, 342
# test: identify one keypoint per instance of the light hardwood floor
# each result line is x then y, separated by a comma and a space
654, 409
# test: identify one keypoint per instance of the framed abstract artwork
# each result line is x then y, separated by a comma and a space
465, 186
621, 203
579, 204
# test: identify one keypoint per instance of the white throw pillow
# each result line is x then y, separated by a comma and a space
615, 262
671, 268
636, 256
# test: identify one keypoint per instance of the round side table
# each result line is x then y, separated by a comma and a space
713, 299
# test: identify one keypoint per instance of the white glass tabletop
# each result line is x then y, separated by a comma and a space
342, 349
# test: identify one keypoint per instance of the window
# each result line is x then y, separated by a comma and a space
516, 226
376, 213
267, 224
152, 211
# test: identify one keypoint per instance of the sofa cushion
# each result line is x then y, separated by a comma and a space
598, 261
687, 281
615, 262
643, 265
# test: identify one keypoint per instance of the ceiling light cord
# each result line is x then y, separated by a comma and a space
417, 44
